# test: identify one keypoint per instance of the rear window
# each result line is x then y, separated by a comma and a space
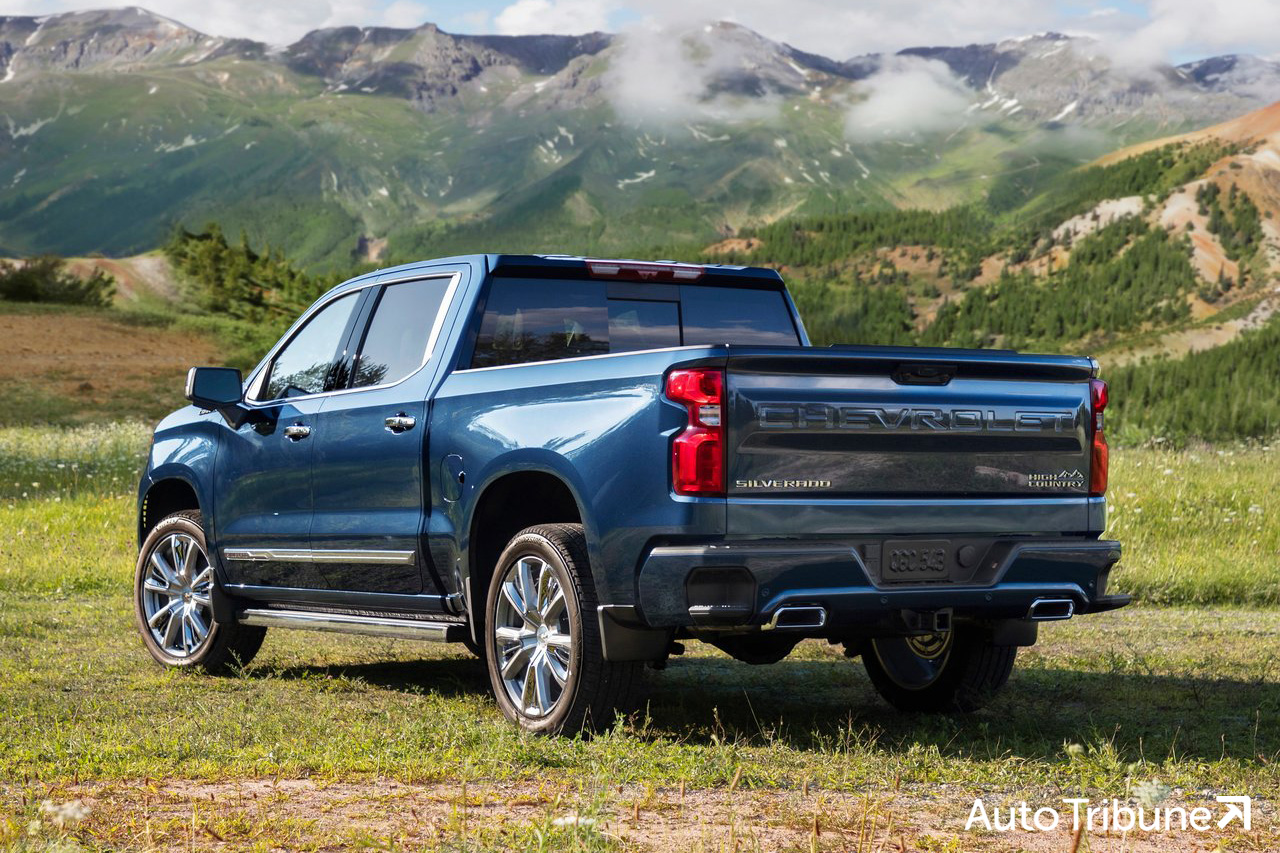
720, 315
542, 320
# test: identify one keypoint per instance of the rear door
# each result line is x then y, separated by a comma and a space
865, 439
368, 476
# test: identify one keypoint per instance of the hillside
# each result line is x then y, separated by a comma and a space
1176, 237
374, 144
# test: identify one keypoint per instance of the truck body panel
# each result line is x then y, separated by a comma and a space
839, 463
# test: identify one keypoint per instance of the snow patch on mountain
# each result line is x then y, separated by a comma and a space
640, 178
188, 141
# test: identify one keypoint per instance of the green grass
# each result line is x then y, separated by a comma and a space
1198, 525
1186, 695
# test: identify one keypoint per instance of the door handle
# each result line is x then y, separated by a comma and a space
297, 432
400, 423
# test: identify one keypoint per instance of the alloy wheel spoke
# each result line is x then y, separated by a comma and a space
166, 610
199, 628
557, 668
173, 628
545, 579
175, 556
528, 695
166, 572
205, 577
507, 634
560, 641
542, 676
528, 589
190, 557
520, 659
555, 606
512, 595
154, 584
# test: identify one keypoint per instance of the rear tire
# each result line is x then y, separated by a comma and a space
172, 585
543, 650
958, 671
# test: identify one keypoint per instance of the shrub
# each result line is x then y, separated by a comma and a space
45, 279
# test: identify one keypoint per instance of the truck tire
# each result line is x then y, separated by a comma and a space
172, 584
957, 671
545, 659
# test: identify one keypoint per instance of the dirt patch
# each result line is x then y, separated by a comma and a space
1101, 216
278, 814
96, 364
136, 278
742, 245
1257, 125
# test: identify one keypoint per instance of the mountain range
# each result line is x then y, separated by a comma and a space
371, 143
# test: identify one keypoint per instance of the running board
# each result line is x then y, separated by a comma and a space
405, 629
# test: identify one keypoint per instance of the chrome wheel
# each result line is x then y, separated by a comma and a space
533, 636
175, 595
914, 663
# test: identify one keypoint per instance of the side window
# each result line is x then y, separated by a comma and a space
536, 320
304, 364
395, 343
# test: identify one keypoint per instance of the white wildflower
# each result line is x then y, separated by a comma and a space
574, 820
1151, 794
65, 815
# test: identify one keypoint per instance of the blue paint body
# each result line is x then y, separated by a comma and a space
602, 427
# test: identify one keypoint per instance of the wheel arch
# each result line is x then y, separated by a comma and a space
505, 505
165, 496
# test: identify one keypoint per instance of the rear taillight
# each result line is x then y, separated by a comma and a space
1099, 462
697, 454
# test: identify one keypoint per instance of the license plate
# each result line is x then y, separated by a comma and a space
912, 561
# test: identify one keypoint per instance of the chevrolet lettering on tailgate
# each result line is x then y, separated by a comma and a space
888, 419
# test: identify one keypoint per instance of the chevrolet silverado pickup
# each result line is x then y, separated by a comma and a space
571, 464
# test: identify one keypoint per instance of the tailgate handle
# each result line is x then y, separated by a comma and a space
924, 374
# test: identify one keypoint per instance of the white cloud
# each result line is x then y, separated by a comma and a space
907, 96
536, 17
666, 75
841, 29
405, 14
1178, 28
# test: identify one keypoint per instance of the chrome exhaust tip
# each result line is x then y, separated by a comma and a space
797, 618
1051, 610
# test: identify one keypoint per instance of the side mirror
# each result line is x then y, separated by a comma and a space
216, 388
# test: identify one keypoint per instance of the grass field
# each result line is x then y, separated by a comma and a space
331, 742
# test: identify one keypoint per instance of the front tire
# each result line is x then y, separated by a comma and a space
956, 671
172, 591
543, 650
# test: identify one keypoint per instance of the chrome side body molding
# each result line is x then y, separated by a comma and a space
292, 555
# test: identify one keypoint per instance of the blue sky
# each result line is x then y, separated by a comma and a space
1146, 30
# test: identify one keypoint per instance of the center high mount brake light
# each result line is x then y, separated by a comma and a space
645, 271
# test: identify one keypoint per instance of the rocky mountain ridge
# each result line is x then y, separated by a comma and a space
116, 125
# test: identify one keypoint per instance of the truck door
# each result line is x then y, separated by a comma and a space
369, 477
263, 483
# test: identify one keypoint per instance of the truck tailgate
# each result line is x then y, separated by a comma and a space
812, 425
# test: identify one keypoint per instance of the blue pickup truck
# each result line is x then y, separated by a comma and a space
570, 465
